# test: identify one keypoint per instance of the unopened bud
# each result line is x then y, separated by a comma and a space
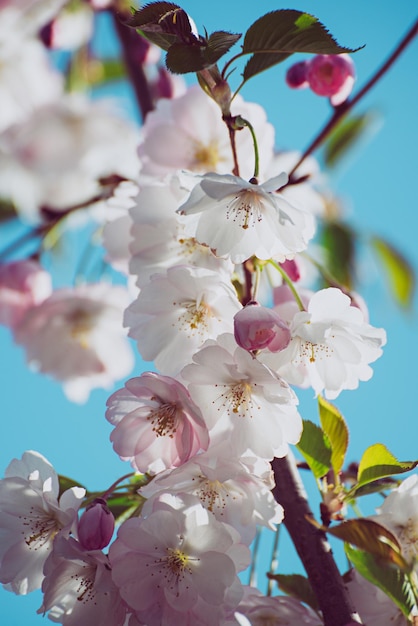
96, 526
257, 327
331, 75
292, 269
296, 76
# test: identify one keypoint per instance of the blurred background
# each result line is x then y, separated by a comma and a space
376, 185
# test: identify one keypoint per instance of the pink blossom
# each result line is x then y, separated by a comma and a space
96, 525
260, 610
257, 327
225, 486
30, 517
78, 587
177, 311
85, 325
178, 566
331, 75
242, 400
157, 425
23, 284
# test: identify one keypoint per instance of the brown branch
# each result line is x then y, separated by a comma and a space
312, 547
344, 108
133, 56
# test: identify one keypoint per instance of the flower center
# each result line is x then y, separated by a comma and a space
239, 400
309, 351
408, 537
85, 584
163, 420
194, 316
81, 324
206, 158
245, 208
212, 494
40, 529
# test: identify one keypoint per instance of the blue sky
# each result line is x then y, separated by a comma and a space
378, 186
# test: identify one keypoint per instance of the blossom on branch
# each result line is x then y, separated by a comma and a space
240, 219
177, 311
178, 566
243, 400
31, 515
157, 425
331, 345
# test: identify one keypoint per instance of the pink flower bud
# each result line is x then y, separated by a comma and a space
296, 76
257, 327
96, 526
23, 284
331, 75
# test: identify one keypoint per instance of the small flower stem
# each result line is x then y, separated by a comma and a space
289, 283
312, 546
256, 284
128, 39
344, 108
256, 545
255, 144
232, 141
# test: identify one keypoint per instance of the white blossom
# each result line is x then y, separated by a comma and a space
239, 219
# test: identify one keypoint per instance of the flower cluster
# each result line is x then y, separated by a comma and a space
204, 219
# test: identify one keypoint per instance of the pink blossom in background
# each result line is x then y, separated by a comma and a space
23, 284
30, 517
157, 425
258, 610
85, 325
330, 75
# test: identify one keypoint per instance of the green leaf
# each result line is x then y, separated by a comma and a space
333, 424
163, 23
278, 34
345, 135
193, 57
315, 448
377, 486
399, 272
394, 582
67, 483
296, 586
372, 538
377, 462
339, 241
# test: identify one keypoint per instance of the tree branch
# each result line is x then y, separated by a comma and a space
312, 546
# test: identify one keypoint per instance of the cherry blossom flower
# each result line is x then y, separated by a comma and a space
70, 29
188, 133
78, 587
178, 566
330, 75
27, 81
242, 399
225, 487
399, 512
161, 238
239, 219
259, 610
23, 284
177, 311
84, 324
157, 425
58, 157
30, 517
116, 233
257, 327
331, 345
